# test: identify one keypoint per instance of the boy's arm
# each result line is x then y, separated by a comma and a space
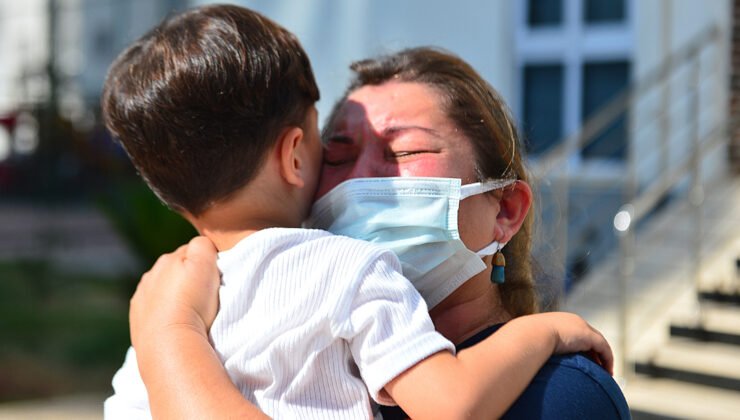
484, 380
185, 379
174, 305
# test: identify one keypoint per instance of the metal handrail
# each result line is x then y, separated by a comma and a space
633, 212
642, 201
646, 201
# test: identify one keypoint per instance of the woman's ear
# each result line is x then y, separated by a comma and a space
292, 156
514, 205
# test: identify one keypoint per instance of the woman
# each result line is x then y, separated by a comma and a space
420, 112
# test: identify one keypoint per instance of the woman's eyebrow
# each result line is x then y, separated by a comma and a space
395, 130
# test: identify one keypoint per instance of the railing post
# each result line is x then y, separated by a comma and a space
624, 227
562, 189
665, 96
696, 193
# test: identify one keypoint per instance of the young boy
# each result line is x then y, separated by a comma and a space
215, 107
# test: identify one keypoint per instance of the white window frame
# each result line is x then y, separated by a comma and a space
571, 43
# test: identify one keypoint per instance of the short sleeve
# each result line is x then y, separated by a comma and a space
387, 325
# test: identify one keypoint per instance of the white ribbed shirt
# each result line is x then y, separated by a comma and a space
311, 325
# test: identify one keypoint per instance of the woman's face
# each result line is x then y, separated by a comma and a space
400, 129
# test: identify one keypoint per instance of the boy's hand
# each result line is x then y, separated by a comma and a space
180, 291
171, 312
574, 334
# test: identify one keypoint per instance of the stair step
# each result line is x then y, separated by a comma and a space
720, 296
657, 398
704, 334
721, 323
705, 363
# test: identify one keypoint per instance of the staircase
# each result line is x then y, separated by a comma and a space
685, 352
667, 297
696, 372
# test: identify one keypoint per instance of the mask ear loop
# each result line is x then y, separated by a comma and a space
469, 190
499, 262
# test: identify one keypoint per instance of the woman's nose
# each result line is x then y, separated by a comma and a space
370, 163
363, 168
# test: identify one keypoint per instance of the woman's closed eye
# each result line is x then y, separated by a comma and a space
402, 154
409, 142
339, 150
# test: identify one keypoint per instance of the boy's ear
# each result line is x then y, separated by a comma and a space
292, 156
513, 208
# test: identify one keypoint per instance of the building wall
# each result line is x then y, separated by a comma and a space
666, 27
335, 32
88, 36
110, 26
23, 52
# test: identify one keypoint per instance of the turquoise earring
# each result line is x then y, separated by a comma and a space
499, 262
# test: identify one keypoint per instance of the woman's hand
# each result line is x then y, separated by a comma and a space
180, 291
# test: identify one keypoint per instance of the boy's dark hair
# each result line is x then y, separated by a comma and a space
199, 100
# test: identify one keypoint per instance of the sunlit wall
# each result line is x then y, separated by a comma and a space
334, 33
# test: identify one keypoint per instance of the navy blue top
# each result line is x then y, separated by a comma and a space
566, 387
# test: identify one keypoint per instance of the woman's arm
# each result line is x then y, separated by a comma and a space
174, 305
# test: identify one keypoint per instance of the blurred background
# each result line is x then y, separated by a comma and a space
628, 108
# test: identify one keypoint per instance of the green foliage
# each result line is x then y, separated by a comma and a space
148, 226
60, 333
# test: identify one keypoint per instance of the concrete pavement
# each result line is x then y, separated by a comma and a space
77, 407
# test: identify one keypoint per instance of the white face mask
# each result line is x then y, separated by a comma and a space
416, 218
